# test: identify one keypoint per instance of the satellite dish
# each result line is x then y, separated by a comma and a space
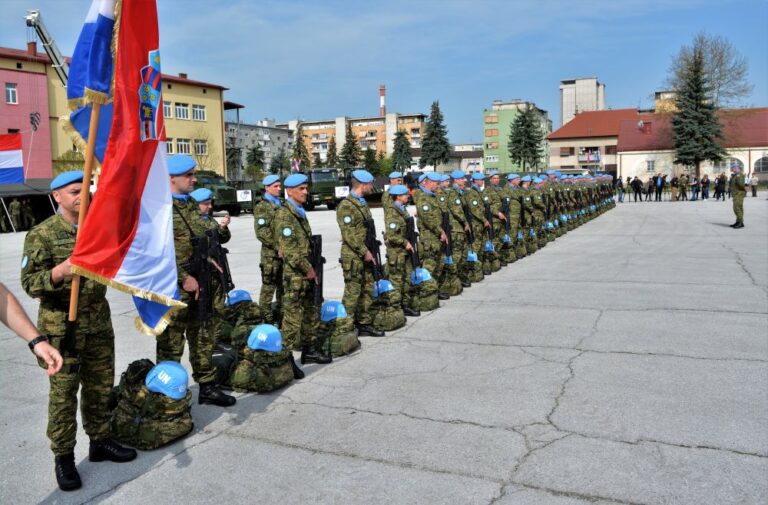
640, 124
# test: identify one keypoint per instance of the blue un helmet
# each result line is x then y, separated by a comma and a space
448, 260
420, 275
519, 236
488, 247
265, 337
471, 256
168, 378
505, 239
332, 310
381, 287
236, 296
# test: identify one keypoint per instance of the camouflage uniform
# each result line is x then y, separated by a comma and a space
508, 250
455, 203
450, 283
92, 364
539, 212
351, 216
399, 266
526, 199
14, 209
184, 322
430, 227
219, 296
270, 263
738, 191
292, 232
495, 196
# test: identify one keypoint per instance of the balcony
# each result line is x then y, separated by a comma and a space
589, 157
320, 138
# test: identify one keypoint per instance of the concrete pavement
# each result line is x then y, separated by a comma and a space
627, 362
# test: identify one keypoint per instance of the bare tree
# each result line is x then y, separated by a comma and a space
724, 69
207, 159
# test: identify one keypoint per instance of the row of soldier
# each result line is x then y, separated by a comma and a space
463, 230
16, 216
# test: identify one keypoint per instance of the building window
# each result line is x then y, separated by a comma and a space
11, 96
610, 150
169, 146
492, 118
198, 112
761, 165
492, 158
726, 164
13, 130
650, 166
491, 132
182, 111
567, 151
182, 146
201, 147
492, 145
167, 109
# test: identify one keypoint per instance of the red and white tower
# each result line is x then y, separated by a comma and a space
382, 96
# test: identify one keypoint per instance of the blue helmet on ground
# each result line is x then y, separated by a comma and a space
381, 287
506, 238
332, 310
168, 378
236, 296
488, 247
448, 260
265, 337
471, 256
420, 275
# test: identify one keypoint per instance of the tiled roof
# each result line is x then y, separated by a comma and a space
601, 123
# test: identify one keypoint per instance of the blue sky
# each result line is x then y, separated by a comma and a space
322, 59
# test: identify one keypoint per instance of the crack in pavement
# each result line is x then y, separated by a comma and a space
740, 262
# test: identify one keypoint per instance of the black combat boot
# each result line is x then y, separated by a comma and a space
738, 225
109, 450
410, 312
315, 356
298, 373
443, 296
366, 330
211, 394
66, 472
466, 284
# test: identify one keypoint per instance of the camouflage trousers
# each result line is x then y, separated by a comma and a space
460, 249
399, 269
96, 374
358, 289
738, 206
185, 325
431, 255
271, 283
301, 321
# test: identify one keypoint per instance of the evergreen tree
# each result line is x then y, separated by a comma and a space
369, 161
435, 148
526, 139
385, 166
350, 153
280, 163
317, 162
332, 160
300, 151
255, 156
696, 129
401, 153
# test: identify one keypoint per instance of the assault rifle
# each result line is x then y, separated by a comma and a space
372, 244
412, 236
208, 254
317, 261
489, 218
448, 229
506, 211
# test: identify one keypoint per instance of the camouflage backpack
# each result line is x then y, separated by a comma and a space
261, 371
147, 420
452, 284
389, 312
425, 296
248, 316
224, 358
339, 336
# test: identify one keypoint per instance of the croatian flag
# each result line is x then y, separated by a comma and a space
127, 238
11, 165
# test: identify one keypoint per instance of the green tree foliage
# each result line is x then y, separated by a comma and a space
370, 162
385, 166
255, 156
696, 129
435, 148
317, 162
70, 160
401, 153
526, 139
280, 163
332, 160
350, 153
300, 151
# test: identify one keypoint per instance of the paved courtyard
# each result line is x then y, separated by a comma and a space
627, 362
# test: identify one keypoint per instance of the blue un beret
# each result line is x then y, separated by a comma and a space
180, 164
477, 176
422, 177
398, 190
66, 178
294, 180
458, 174
511, 177
395, 175
363, 176
202, 195
434, 176
492, 173
270, 180
527, 178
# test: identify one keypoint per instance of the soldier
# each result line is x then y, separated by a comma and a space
739, 191
521, 228
271, 263
292, 232
526, 200
499, 219
14, 208
185, 324
450, 283
476, 199
357, 260
507, 193
399, 266
89, 357
540, 209
27, 214
395, 179
430, 221
456, 204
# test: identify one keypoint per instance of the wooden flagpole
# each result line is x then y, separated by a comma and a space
85, 195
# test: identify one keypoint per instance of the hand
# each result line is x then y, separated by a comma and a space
224, 221
312, 275
190, 285
502, 216
486, 224
280, 253
369, 257
466, 228
61, 271
50, 355
216, 265
443, 237
408, 246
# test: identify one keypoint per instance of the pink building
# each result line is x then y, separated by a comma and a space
25, 92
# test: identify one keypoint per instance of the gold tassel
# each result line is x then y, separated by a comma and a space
113, 45
78, 140
159, 327
92, 96
131, 290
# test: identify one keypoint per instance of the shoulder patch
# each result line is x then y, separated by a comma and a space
24, 262
347, 219
287, 232
425, 207
393, 225
442, 198
474, 202
458, 201
485, 198
262, 221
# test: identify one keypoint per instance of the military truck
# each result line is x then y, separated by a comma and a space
322, 187
224, 195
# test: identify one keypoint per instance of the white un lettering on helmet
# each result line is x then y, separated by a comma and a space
163, 377
262, 337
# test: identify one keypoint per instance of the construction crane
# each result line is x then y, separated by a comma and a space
60, 65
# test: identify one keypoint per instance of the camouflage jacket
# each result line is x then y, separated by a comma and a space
475, 199
429, 215
526, 200
187, 224
539, 207
351, 215
263, 216
293, 233
507, 194
47, 245
738, 184
395, 228
454, 205
224, 234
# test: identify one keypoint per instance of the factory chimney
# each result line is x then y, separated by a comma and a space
382, 106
